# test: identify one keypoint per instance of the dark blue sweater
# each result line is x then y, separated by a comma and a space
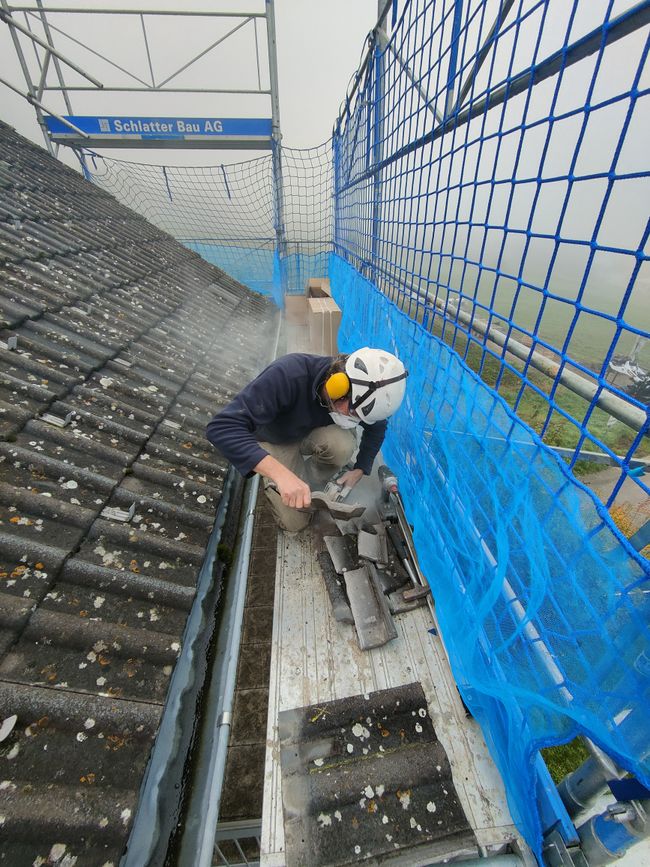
282, 405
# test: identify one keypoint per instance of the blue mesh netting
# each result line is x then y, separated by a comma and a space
491, 188
544, 611
226, 213
485, 196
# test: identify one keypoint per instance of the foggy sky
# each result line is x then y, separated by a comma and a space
319, 47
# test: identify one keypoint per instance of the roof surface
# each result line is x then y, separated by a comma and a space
127, 343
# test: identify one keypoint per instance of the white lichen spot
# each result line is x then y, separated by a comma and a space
379, 791
175, 646
68, 861
13, 752
70, 485
125, 815
431, 807
418, 728
362, 803
103, 822
369, 792
360, 731
167, 670
357, 850
413, 823
337, 815
319, 763
384, 820
7, 727
106, 382
81, 737
56, 852
100, 681
389, 837
90, 722
349, 748
404, 799
422, 712
324, 820
98, 601
91, 656
201, 498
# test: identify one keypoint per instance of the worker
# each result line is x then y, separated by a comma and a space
295, 424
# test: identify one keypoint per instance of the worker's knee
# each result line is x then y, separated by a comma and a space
285, 517
332, 445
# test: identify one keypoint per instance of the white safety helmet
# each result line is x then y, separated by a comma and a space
378, 382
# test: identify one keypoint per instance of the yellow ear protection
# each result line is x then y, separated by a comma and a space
337, 385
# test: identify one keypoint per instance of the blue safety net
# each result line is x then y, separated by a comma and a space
482, 211
490, 227
230, 215
544, 611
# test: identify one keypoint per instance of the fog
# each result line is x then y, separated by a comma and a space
318, 46
493, 196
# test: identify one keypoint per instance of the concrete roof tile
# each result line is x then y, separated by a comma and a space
92, 609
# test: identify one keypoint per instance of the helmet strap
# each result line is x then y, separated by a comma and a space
373, 386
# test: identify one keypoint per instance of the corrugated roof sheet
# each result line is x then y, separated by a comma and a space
127, 343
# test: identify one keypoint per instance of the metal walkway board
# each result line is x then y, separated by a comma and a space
366, 778
317, 660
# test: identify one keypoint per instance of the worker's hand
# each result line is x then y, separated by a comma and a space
350, 478
294, 492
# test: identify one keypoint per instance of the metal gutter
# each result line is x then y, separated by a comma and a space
197, 841
161, 790
161, 785
197, 846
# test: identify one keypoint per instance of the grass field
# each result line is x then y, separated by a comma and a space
561, 760
526, 391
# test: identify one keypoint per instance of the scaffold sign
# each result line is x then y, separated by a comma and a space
118, 131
